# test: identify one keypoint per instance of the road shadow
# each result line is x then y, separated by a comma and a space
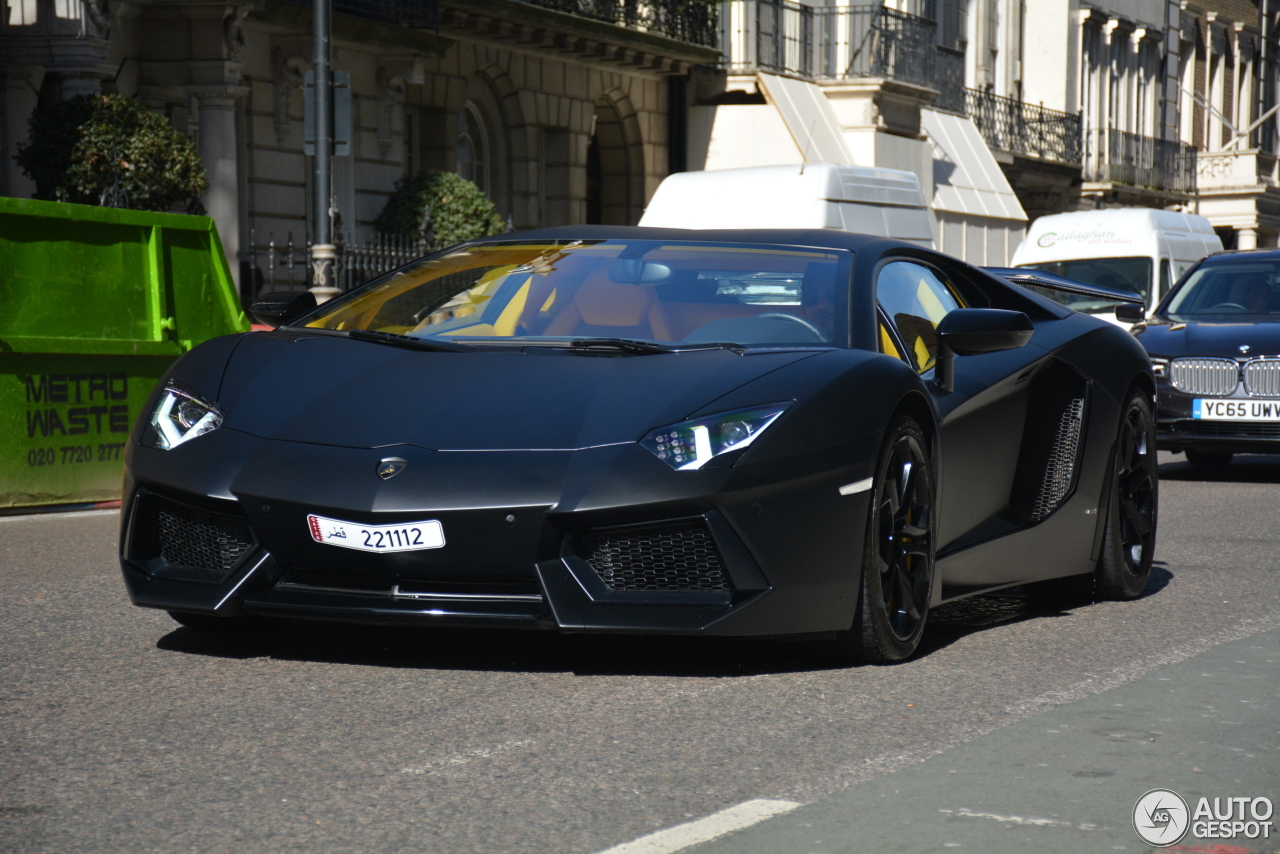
1243, 468
599, 655
1056, 599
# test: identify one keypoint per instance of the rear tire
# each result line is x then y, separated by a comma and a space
1215, 459
898, 552
1129, 542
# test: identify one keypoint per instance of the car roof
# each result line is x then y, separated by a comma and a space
817, 237
1229, 256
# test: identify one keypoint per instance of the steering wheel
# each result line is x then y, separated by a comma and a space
1224, 305
779, 315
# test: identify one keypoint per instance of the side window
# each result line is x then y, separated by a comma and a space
1166, 277
887, 346
916, 299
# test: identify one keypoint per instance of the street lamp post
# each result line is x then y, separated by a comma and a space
323, 252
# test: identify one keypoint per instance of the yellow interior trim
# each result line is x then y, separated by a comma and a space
886, 343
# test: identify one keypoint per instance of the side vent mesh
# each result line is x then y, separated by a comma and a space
1051, 441
680, 556
1061, 467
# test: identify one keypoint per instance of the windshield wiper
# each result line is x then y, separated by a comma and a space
627, 345
406, 341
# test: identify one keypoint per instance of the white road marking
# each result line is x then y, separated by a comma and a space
1009, 819
856, 487
705, 829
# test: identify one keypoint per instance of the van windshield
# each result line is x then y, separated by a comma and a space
553, 293
1124, 274
1248, 291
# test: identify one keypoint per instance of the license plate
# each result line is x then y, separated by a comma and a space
1236, 410
405, 537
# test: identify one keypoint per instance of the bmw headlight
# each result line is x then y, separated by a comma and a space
690, 445
181, 416
1159, 367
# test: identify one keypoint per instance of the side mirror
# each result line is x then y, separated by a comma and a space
970, 331
279, 307
1129, 312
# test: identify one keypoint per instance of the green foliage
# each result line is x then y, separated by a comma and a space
83, 149
459, 209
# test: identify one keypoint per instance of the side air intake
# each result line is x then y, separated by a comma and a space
1051, 441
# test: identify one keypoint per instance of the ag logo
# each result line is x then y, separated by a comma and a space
1047, 239
390, 467
1161, 817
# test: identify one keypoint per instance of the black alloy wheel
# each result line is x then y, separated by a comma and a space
898, 556
1129, 542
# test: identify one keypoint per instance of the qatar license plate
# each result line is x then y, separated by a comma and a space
1236, 410
405, 537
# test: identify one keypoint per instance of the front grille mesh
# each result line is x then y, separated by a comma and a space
190, 538
1204, 376
1060, 470
1262, 378
675, 557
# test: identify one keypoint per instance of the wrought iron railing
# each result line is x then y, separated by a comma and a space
683, 20
407, 13
838, 43
1022, 128
1139, 161
283, 265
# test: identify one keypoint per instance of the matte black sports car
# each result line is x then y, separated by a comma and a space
1215, 346
608, 429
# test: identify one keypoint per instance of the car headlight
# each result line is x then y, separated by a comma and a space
690, 445
181, 416
1159, 367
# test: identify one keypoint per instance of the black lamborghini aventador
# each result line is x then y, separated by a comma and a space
610, 429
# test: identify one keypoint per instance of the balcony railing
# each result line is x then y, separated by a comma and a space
405, 13
690, 22
1009, 125
836, 43
1139, 161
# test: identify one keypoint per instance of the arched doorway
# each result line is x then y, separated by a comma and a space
615, 163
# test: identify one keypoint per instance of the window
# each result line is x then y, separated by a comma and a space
473, 147
915, 298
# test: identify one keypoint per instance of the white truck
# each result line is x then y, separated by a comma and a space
1134, 249
863, 199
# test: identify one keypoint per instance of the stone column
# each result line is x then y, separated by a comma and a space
1247, 238
19, 89
217, 149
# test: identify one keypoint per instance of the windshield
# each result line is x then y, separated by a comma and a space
1231, 291
1124, 274
556, 293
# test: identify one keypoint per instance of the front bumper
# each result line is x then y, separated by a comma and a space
783, 543
1177, 430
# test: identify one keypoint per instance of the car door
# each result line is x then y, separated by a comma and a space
982, 456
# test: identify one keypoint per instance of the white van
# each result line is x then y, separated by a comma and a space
1135, 249
864, 199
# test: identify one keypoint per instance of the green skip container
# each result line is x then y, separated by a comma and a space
95, 304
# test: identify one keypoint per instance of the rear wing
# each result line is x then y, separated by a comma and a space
1054, 282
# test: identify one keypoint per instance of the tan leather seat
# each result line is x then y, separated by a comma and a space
602, 307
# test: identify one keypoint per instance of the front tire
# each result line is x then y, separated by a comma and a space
1129, 542
898, 552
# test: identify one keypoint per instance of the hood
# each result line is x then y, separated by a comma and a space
1211, 339
336, 391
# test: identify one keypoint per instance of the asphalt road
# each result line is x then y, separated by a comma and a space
120, 731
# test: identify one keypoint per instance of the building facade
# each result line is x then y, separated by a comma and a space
558, 109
